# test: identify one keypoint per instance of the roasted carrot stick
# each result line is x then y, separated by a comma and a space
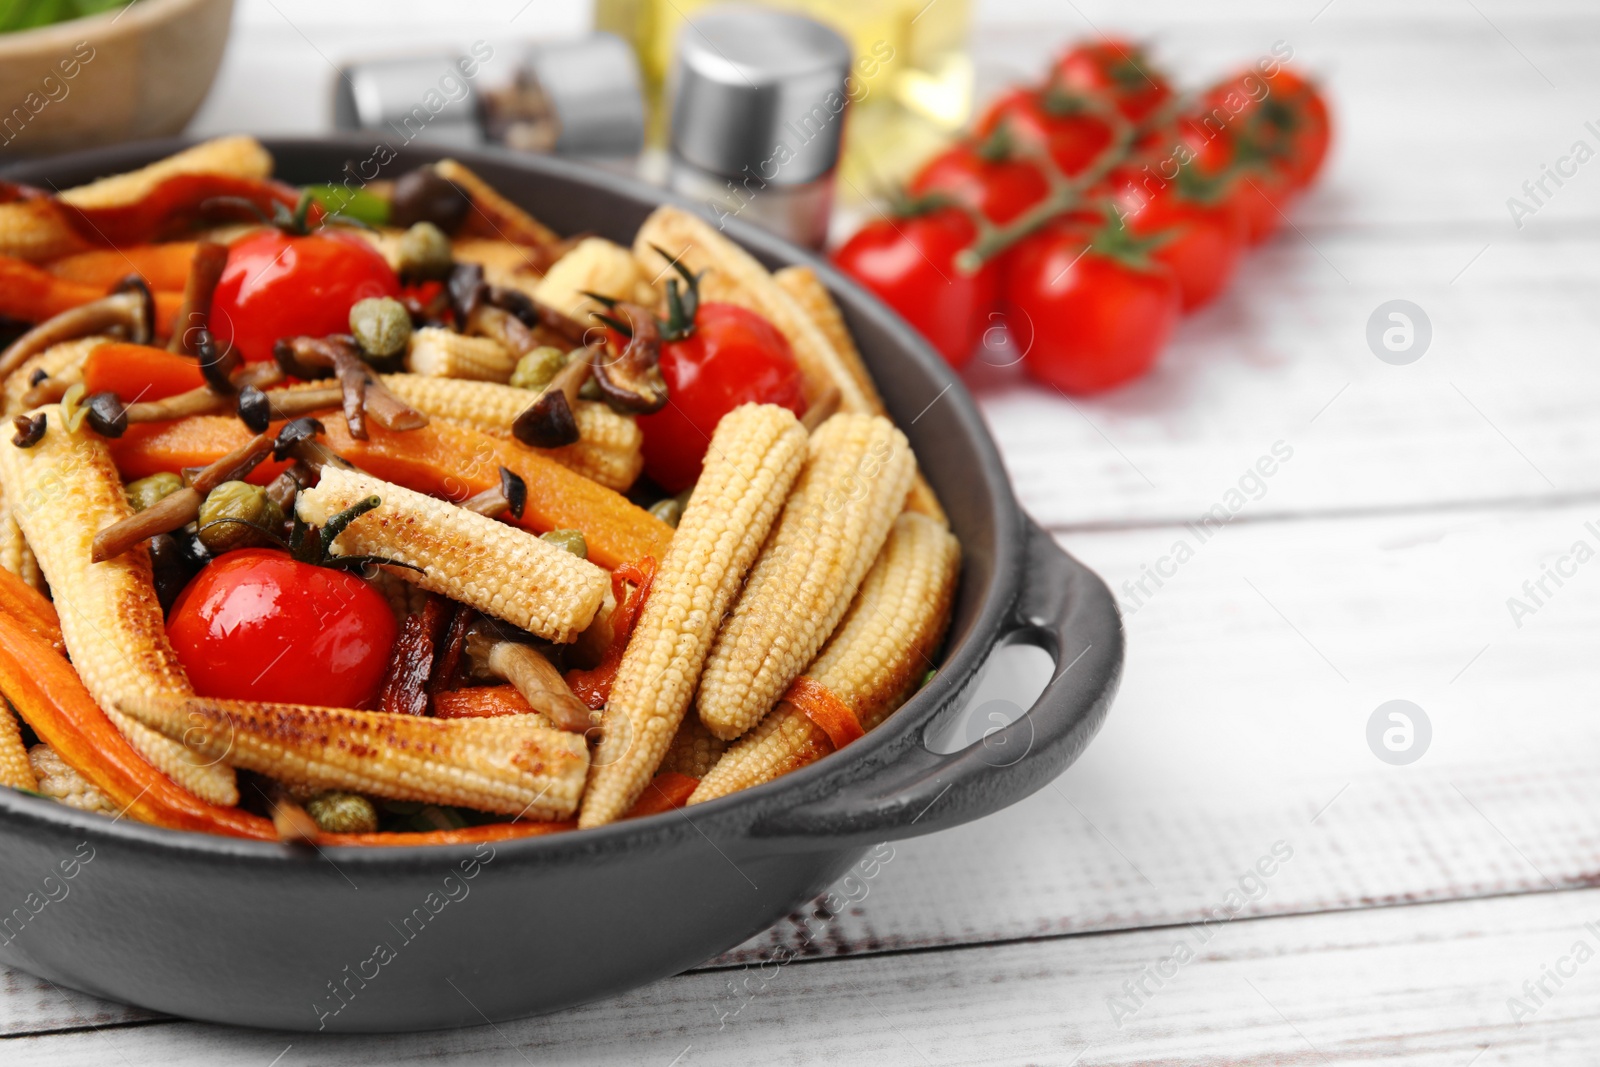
480, 702
32, 294
456, 462
152, 447
163, 267
48, 694
28, 607
665, 792
497, 831
140, 372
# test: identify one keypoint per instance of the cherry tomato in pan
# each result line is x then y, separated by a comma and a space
732, 356
255, 624
278, 285
1098, 316
910, 265
1118, 70
1201, 242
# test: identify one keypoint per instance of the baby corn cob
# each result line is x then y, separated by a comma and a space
694, 749
442, 353
59, 782
35, 230
754, 458
595, 265
492, 215
734, 276
853, 486
62, 362
885, 643
15, 771
507, 764
15, 555
608, 448
499, 569
813, 297
63, 491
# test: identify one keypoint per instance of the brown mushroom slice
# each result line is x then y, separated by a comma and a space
631, 380
534, 676
487, 320
509, 497
130, 310
205, 271
549, 422
360, 392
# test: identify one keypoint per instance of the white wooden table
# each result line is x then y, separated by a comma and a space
1406, 905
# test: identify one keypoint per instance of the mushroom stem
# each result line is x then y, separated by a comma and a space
499, 324
286, 486
128, 310
511, 495
361, 393
292, 403
201, 401
178, 509
549, 421
205, 270
536, 678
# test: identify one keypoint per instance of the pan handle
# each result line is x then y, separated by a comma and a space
1067, 610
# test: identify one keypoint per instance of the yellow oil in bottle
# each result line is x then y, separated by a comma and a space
914, 95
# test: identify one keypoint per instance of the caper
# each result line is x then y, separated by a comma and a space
571, 540
343, 813
590, 390
147, 491
535, 369
425, 252
382, 326
668, 511
225, 512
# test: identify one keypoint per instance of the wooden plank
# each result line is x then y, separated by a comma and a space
1429, 985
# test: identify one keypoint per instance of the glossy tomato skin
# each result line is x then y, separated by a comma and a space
1095, 323
910, 265
277, 285
732, 357
999, 189
1118, 70
1202, 245
1074, 139
257, 625
1304, 124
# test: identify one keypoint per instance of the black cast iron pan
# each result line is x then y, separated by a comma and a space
422, 938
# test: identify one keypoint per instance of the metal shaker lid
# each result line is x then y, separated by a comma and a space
595, 91
423, 98
760, 90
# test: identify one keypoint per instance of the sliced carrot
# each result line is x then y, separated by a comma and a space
29, 607
32, 294
830, 714
140, 372
456, 462
481, 702
161, 266
152, 447
497, 831
667, 791
50, 697
593, 687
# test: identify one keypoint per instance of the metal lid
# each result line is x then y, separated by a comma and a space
417, 98
596, 94
759, 90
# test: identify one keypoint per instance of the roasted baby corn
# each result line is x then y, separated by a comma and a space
59, 782
499, 569
885, 643
34, 230
61, 363
508, 764
734, 276
442, 353
694, 749
63, 491
15, 771
609, 445
594, 266
857, 472
755, 455
492, 215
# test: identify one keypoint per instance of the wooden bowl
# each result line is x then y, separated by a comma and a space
137, 72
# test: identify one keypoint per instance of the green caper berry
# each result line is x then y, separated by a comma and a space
147, 491
535, 369
571, 540
590, 390
237, 500
425, 252
668, 511
382, 326
343, 813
